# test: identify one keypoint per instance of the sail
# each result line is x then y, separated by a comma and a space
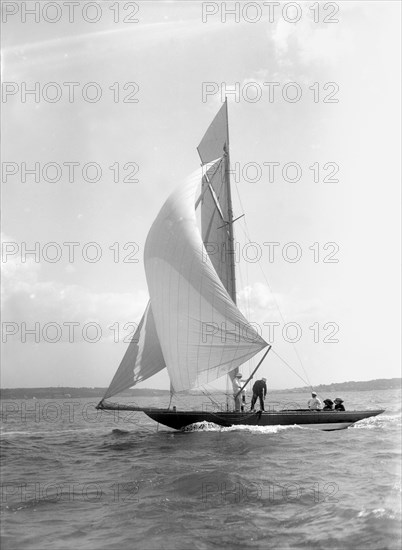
216, 207
203, 335
142, 359
215, 225
216, 138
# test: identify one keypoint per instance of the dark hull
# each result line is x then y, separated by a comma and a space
324, 420
331, 420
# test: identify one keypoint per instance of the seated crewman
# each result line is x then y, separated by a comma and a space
314, 404
339, 404
329, 405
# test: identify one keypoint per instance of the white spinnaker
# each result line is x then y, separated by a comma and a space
202, 333
142, 359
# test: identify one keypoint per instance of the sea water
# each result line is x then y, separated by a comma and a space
74, 477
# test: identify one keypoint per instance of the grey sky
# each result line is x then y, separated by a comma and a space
169, 53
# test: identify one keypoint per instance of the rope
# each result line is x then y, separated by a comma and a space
296, 373
247, 235
213, 401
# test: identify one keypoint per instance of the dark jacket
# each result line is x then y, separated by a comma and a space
328, 405
260, 388
339, 407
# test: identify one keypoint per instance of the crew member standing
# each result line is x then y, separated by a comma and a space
259, 390
237, 385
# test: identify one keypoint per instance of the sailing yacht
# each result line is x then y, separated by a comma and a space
192, 326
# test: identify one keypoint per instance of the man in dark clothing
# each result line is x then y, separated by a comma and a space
329, 405
339, 404
259, 390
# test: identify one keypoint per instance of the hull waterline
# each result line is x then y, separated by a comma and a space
328, 421
323, 420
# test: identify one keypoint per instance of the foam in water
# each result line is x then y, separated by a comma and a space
377, 513
211, 427
380, 421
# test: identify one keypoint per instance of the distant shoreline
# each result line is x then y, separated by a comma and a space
97, 393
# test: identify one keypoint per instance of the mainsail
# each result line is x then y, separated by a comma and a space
192, 325
216, 209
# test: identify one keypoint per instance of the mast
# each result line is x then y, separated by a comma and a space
216, 206
230, 257
231, 251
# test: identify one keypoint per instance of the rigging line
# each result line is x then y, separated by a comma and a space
207, 179
247, 234
251, 362
218, 390
227, 393
296, 373
213, 401
244, 283
284, 322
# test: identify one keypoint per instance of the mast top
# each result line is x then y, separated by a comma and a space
216, 138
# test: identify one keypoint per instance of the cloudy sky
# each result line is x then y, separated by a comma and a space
170, 53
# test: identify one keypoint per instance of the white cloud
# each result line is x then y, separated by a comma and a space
307, 42
260, 304
27, 298
257, 299
281, 35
